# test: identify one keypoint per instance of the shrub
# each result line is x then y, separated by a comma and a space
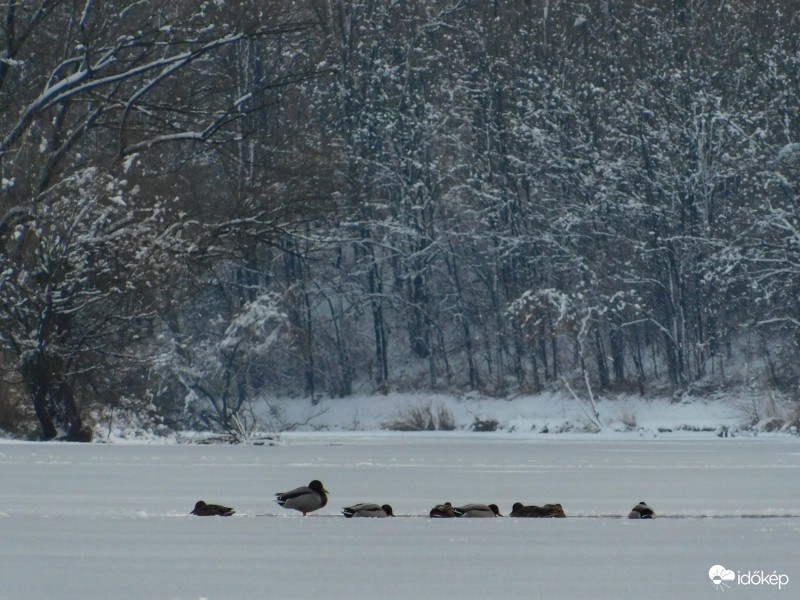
628, 418
444, 419
484, 425
422, 418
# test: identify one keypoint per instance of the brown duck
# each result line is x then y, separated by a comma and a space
443, 511
543, 512
642, 511
201, 509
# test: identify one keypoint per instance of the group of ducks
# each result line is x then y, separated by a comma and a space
306, 499
447, 510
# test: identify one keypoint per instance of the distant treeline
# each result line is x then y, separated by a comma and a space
200, 206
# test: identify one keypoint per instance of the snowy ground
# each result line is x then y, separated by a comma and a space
111, 521
551, 412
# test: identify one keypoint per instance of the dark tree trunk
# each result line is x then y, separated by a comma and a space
616, 341
420, 331
379, 327
600, 357
472, 367
38, 391
51, 395
76, 431
36, 374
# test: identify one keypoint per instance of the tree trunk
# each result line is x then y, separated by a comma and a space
600, 357
47, 392
35, 373
38, 391
472, 367
76, 431
616, 342
379, 327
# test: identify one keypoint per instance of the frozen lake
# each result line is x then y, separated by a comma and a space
111, 521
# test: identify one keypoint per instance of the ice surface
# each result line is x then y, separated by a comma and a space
111, 521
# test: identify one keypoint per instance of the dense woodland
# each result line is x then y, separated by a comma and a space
202, 203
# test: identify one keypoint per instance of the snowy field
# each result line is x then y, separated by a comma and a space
111, 520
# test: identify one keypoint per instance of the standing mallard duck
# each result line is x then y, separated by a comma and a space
642, 511
477, 511
201, 509
368, 509
442, 511
304, 499
542, 512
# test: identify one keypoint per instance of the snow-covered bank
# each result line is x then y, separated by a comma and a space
544, 413
621, 417
111, 521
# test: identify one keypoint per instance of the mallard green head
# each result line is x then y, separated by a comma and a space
317, 486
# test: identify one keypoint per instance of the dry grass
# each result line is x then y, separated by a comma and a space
422, 418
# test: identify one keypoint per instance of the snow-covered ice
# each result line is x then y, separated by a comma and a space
111, 520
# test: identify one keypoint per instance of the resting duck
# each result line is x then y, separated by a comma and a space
542, 512
368, 509
304, 499
443, 511
642, 511
201, 509
477, 511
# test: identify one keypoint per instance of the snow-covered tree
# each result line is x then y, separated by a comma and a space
114, 111
79, 277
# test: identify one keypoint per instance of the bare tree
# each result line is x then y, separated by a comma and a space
141, 93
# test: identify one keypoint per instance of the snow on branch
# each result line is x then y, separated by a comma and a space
82, 80
182, 136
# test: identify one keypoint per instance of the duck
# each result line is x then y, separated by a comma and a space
642, 511
368, 509
306, 499
477, 511
201, 509
546, 511
442, 511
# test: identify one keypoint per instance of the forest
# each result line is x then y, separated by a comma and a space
207, 202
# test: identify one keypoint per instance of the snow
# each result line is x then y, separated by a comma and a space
111, 520
789, 151
128, 161
242, 99
553, 412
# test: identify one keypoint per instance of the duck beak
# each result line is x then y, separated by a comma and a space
324, 490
